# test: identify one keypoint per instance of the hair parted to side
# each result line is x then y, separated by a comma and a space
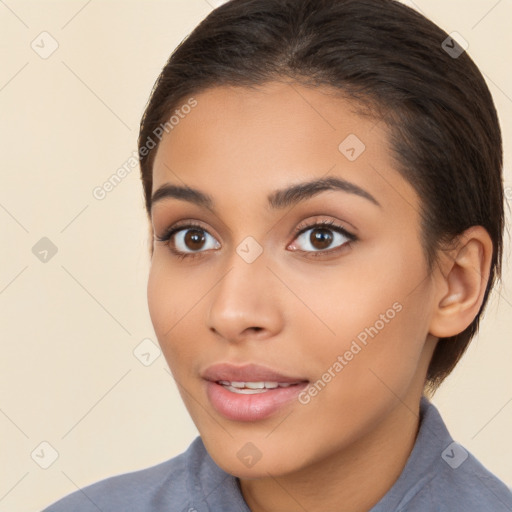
443, 127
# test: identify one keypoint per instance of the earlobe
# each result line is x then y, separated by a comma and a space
461, 283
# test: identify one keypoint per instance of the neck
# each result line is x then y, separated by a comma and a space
355, 478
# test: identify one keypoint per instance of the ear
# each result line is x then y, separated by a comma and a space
461, 282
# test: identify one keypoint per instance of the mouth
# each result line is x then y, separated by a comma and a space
250, 392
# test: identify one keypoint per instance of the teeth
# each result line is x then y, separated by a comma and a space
245, 391
255, 385
249, 388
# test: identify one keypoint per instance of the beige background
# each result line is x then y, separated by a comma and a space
69, 326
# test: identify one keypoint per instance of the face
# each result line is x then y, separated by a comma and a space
294, 315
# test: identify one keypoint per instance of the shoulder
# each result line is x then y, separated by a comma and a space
465, 484
443, 476
469, 487
154, 488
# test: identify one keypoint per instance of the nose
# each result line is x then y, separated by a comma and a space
246, 303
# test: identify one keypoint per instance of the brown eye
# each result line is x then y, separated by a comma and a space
321, 238
194, 239
191, 239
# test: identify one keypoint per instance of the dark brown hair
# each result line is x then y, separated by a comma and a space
443, 127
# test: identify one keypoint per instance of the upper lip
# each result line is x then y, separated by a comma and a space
246, 373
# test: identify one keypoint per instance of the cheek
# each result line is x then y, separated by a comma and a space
352, 296
170, 302
392, 358
374, 310
158, 300
172, 292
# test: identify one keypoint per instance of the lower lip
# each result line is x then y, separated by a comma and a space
258, 406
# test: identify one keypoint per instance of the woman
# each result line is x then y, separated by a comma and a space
323, 184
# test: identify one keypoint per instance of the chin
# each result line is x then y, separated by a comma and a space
252, 460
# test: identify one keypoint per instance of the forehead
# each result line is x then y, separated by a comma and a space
251, 140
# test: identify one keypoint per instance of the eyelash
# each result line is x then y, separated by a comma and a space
167, 235
330, 224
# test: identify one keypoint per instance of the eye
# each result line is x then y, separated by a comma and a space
324, 237
192, 239
187, 240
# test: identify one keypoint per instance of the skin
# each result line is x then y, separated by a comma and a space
296, 313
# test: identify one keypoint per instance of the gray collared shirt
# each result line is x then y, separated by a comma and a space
440, 476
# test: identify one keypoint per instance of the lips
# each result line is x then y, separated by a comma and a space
250, 392
247, 373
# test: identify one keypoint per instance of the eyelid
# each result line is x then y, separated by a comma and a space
320, 221
178, 226
328, 219
304, 226
327, 224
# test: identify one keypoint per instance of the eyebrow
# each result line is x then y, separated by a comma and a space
278, 199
